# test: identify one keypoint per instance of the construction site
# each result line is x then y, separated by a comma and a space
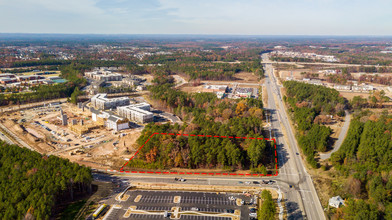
69, 131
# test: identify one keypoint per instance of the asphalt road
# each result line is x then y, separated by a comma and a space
171, 117
341, 137
292, 170
5, 138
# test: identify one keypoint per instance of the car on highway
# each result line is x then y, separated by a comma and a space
256, 182
247, 182
297, 153
180, 179
240, 182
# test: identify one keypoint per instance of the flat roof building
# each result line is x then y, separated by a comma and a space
104, 75
6, 80
101, 101
139, 113
7, 75
215, 88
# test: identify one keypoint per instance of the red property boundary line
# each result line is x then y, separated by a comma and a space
215, 174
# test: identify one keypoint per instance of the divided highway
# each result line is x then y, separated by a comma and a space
292, 169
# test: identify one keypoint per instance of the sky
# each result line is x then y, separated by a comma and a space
233, 17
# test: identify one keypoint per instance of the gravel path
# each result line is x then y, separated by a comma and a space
341, 137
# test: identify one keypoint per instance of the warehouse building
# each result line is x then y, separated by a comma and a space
101, 101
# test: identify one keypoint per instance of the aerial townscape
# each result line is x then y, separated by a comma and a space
198, 110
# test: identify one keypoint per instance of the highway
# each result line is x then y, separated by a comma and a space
292, 168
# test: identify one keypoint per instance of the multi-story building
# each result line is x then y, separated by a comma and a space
117, 123
109, 120
101, 101
139, 113
104, 75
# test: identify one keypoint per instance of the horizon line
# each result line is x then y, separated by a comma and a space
201, 34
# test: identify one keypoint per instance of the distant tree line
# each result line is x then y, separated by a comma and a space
198, 66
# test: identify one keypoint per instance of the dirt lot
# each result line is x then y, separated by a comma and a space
191, 89
148, 77
246, 77
243, 77
295, 73
350, 95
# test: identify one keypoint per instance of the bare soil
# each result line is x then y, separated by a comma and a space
350, 95
247, 77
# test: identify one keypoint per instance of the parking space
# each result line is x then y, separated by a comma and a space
113, 214
157, 199
203, 209
195, 217
146, 217
206, 200
153, 208
153, 204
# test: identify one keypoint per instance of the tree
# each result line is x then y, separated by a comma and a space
256, 151
268, 208
31, 184
226, 114
241, 108
74, 96
359, 209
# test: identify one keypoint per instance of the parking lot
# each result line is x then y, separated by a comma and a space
146, 204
